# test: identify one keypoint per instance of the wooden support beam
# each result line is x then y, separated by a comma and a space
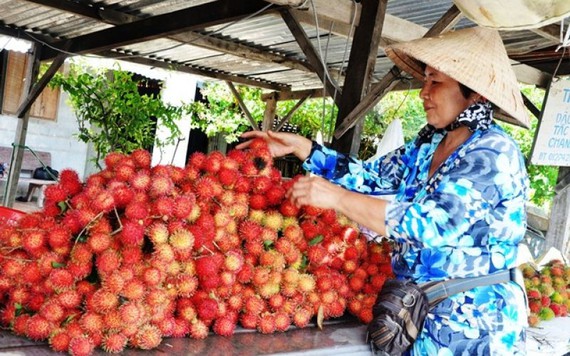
313, 56
290, 113
193, 18
550, 32
530, 106
378, 90
359, 71
21, 132
242, 106
36, 90
269, 115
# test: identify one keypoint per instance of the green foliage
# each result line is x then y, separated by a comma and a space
542, 178
112, 115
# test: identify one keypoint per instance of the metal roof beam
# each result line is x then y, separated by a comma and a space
205, 72
146, 29
312, 55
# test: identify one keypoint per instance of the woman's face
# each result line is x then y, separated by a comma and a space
443, 100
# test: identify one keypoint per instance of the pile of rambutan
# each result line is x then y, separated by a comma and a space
138, 253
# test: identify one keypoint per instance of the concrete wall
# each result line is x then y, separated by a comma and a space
56, 137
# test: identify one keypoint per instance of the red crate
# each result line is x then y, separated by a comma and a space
10, 215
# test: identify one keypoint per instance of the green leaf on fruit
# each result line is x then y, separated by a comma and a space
316, 240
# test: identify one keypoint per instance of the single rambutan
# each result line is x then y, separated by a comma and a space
108, 261
38, 327
99, 242
130, 313
207, 309
132, 233
69, 299
148, 337
124, 172
158, 233
69, 181
34, 242
91, 322
160, 185
181, 241
224, 326
254, 305
302, 317
60, 279
198, 330
242, 184
162, 207
213, 162
282, 321
258, 202
183, 205
114, 343
31, 274
103, 300
186, 285
209, 265
52, 311
228, 176
233, 261
275, 195
55, 193
273, 220
141, 158
81, 346
266, 323
207, 188
133, 290
59, 340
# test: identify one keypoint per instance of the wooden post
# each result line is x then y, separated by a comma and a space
21, 131
270, 110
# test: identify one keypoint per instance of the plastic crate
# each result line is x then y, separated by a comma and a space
10, 215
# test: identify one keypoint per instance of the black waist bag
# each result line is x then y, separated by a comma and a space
398, 317
45, 173
402, 306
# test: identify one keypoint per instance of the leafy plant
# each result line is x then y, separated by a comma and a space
111, 113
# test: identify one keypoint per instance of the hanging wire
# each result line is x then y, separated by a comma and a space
324, 90
200, 36
325, 68
564, 43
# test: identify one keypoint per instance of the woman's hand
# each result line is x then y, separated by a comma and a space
280, 143
317, 192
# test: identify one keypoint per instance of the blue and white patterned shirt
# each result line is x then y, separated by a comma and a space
466, 220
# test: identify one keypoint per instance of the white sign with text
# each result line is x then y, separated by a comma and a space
552, 143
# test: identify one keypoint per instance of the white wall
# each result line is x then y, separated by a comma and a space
56, 137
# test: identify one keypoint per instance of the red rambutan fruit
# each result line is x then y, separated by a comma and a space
81, 346
38, 327
108, 261
59, 340
61, 279
130, 313
224, 326
114, 343
91, 322
183, 205
282, 321
207, 309
148, 337
69, 181
69, 299
207, 188
55, 193
103, 300
142, 158
266, 323
258, 202
134, 290
198, 330
275, 195
132, 233
160, 185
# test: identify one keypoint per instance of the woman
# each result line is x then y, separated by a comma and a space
461, 189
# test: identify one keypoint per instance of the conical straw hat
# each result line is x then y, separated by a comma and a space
474, 57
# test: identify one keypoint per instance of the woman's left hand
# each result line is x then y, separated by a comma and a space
317, 192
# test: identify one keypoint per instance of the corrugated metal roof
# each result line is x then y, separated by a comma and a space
266, 33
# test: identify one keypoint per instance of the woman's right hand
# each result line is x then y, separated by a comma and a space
280, 143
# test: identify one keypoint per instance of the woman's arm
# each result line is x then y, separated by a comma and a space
358, 207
